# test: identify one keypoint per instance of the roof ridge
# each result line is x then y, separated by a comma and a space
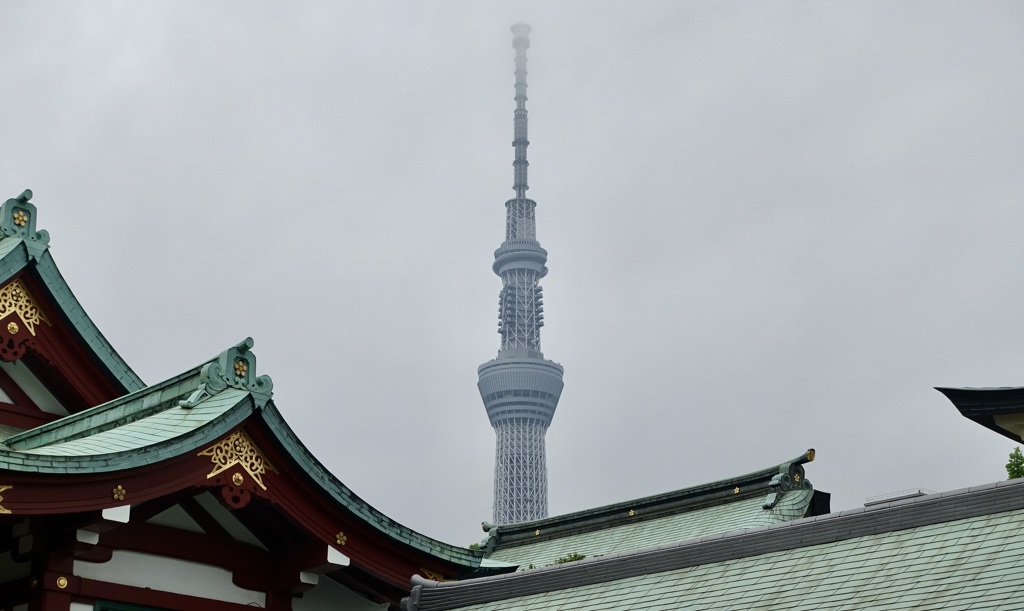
694, 497
103, 417
234, 367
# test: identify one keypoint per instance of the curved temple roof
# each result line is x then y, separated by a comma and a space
23, 247
181, 416
772, 495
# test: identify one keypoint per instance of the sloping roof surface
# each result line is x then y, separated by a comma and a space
136, 429
976, 563
150, 430
745, 513
775, 494
956, 550
150, 425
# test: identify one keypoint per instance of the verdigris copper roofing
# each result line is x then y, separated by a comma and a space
726, 505
956, 550
23, 246
519, 388
183, 415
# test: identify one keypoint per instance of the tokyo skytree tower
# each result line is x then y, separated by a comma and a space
520, 389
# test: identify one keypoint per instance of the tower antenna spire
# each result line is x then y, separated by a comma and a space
520, 42
520, 389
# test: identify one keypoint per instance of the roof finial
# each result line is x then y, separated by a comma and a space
520, 42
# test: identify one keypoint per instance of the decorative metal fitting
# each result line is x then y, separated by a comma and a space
20, 218
237, 479
238, 449
12, 327
62, 582
341, 538
536, 532
736, 490
119, 493
234, 368
631, 513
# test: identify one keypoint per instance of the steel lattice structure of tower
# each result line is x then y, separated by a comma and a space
520, 389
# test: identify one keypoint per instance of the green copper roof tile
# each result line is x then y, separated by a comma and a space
8, 244
14, 256
975, 563
160, 427
738, 515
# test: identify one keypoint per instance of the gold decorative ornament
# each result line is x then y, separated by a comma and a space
237, 479
736, 490
536, 532
341, 538
12, 327
14, 299
431, 575
810, 455
119, 493
20, 218
62, 582
631, 513
240, 368
796, 477
3, 488
238, 449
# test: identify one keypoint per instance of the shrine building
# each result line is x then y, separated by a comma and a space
191, 493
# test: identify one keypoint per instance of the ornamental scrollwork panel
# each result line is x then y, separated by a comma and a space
238, 449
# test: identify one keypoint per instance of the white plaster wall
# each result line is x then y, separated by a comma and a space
329, 595
169, 575
82, 607
32, 387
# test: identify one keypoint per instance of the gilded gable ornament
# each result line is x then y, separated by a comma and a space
15, 300
238, 449
4, 488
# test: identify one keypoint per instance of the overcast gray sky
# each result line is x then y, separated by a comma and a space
771, 226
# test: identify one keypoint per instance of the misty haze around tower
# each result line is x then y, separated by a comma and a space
520, 388
766, 221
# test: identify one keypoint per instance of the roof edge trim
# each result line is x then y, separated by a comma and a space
333, 487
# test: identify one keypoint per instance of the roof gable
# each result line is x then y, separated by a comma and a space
45, 328
215, 428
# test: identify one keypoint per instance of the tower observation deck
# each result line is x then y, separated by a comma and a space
520, 389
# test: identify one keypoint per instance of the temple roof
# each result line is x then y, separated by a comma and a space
183, 415
22, 247
954, 550
775, 494
1000, 409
